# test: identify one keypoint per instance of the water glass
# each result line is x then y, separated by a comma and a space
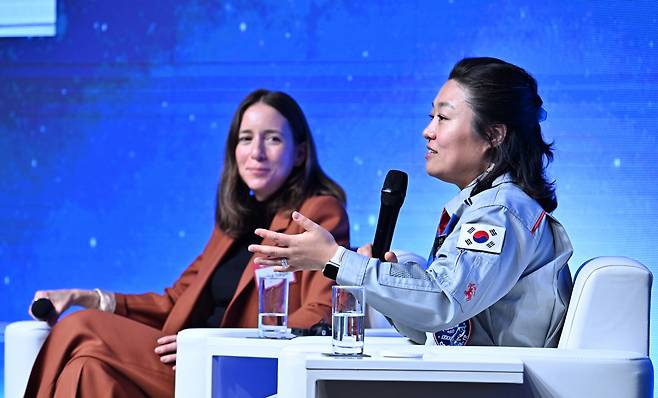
273, 306
348, 305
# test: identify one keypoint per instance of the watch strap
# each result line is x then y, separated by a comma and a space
331, 268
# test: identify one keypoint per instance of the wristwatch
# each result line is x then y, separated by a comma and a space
330, 269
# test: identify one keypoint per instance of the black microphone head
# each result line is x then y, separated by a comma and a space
395, 188
42, 309
393, 193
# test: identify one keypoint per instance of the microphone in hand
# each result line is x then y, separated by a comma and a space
394, 191
43, 310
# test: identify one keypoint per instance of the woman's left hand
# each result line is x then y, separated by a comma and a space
309, 250
167, 350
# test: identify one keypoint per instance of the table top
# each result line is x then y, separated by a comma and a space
383, 353
247, 343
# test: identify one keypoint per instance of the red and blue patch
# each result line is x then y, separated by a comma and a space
481, 236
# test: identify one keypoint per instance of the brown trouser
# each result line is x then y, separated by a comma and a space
97, 354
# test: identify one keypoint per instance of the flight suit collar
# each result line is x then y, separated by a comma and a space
502, 179
455, 204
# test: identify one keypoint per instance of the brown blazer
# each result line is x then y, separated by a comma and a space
188, 302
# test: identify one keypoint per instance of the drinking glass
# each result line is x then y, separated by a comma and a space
348, 305
273, 306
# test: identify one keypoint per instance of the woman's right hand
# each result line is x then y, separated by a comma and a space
63, 299
366, 250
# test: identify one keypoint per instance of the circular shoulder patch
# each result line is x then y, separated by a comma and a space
455, 336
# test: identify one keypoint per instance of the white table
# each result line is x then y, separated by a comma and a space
235, 363
461, 371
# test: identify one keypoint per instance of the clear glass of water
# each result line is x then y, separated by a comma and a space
273, 306
348, 305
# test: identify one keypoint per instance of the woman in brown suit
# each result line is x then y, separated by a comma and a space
125, 344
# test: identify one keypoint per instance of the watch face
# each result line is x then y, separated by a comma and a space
330, 271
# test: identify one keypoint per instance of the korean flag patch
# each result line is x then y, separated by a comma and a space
481, 237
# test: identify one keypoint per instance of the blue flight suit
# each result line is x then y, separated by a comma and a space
515, 294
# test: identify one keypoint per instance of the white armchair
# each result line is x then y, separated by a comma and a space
609, 307
23, 341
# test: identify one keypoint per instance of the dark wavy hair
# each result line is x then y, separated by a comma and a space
234, 206
500, 93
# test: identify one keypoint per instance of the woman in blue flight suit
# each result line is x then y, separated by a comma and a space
497, 272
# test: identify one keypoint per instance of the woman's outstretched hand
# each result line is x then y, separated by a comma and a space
309, 250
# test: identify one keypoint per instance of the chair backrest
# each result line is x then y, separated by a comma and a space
609, 307
23, 341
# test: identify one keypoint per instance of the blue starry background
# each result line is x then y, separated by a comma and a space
112, 132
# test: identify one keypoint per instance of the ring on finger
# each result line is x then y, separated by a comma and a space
284, 263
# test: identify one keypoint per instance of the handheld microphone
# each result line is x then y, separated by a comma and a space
43, 309
393, 193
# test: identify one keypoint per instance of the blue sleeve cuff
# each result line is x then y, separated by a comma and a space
352, 269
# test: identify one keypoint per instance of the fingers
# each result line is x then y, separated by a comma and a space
365, 250
167, 339
166, 348
40, 294
167, 344
304, 222
390, 257
269, 251
168, 358
276, 263
268, 262
279, 268
279, 239
37, 296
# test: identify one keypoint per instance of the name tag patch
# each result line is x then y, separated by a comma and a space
481, 237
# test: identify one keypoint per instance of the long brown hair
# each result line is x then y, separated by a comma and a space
232, 208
